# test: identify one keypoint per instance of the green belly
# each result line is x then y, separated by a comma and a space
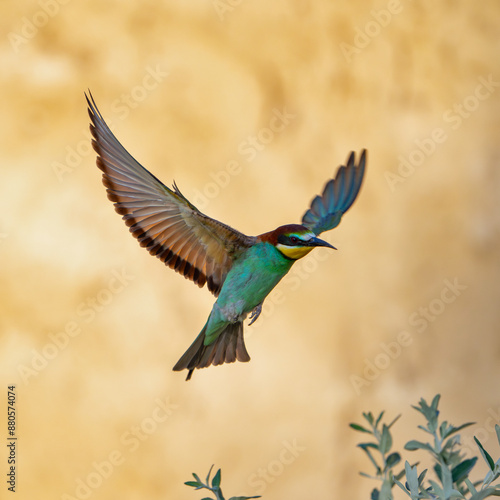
247, 284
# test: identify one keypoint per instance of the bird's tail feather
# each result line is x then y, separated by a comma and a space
227, 348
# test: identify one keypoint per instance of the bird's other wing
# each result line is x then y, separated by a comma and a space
162, 219
338, 195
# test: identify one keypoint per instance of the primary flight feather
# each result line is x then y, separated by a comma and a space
239, 270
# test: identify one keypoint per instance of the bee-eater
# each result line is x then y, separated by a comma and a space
239, 270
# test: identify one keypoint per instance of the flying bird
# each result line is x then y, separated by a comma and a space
239, 270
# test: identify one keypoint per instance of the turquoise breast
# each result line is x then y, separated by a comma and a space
252, 277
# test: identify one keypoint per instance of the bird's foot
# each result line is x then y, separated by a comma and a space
255, 313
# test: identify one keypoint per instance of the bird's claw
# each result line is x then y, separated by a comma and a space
255, 313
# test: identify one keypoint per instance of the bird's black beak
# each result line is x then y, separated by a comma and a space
317, 242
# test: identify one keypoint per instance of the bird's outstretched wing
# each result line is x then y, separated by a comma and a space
162, 219
338, 195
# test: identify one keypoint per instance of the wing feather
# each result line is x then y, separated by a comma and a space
338, 195
162, 219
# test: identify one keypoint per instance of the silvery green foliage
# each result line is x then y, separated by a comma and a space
451, 469
213, 486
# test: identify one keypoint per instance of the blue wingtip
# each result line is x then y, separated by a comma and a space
338, 195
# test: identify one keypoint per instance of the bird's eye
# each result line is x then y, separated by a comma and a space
294, 239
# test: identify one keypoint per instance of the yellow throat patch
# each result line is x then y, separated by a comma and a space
294, 253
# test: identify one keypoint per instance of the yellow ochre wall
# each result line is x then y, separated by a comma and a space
250, 106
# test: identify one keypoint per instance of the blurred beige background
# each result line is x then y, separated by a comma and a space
91, 325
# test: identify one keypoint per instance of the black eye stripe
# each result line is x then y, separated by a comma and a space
290, 240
